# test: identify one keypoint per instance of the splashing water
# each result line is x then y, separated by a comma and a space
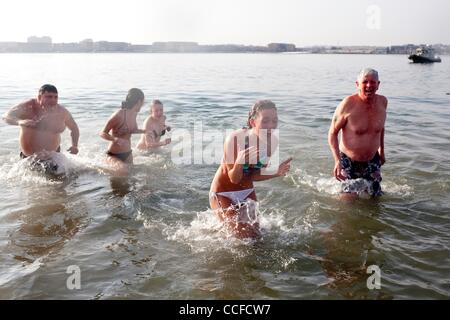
330, 185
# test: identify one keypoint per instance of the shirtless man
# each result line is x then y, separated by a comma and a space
155, 127
41, 121
360, 153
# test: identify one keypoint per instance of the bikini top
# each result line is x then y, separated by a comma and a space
123, 129
250, 168
163, 132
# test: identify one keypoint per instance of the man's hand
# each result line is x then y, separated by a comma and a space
382, 159
337, 171
73, 150
284, 168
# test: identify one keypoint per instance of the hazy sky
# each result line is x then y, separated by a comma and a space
258, 22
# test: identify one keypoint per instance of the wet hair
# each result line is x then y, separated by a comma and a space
133, 97
367, 71
156, 101
257, 108
48, 88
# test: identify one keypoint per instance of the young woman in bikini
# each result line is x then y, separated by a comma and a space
122, 124
246, 154
155, 126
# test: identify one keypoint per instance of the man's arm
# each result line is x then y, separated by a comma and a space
74, 133
20, 114
337, 123
381, 149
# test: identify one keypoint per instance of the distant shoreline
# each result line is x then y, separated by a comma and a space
231, 53
45, 45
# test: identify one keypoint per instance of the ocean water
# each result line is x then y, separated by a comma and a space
152, 235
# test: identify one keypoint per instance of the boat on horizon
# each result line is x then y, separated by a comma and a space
424, 55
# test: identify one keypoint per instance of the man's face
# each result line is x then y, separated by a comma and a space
48, 99
368, 85
157, 111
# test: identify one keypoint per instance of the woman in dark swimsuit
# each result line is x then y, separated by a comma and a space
122, 124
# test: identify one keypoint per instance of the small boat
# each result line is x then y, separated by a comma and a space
424, 55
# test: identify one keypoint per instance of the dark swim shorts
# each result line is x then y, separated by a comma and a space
45, 166
362, 176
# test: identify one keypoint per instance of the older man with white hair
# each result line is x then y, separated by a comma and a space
359, 155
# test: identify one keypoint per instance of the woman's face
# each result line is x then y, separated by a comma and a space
157, 111
265, 119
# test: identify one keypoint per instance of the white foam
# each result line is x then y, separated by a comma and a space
19, 271
325, 184
18, 171
206, 233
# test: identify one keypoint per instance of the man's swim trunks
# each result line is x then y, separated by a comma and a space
369, 171
46, 166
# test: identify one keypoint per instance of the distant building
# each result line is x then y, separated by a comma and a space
175, 46
141, 48
106, 46
67, 47
403, 49
281, 47
87, 45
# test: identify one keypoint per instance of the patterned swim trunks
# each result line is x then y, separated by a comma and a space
362, 176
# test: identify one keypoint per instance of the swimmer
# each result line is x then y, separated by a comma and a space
118, 130
155, 128
246, 154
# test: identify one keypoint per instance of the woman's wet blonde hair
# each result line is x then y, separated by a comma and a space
257, 108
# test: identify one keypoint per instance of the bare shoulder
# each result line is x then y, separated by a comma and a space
25, 110
115, 118
117, 114
64, 110
28, 105
237, 134
347, 103
383, 101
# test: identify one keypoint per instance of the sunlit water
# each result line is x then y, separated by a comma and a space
152, 236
